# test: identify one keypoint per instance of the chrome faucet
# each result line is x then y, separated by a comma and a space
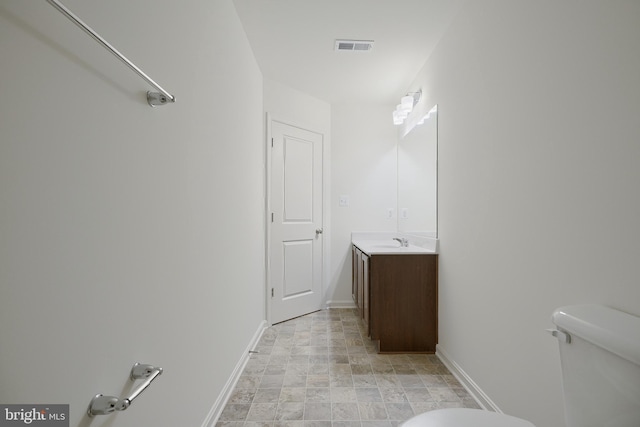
403, 242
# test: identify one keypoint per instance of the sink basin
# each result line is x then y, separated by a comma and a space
390, 246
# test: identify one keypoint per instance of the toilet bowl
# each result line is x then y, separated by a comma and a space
600, 360
465, 417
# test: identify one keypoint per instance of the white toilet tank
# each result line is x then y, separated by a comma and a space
600, 366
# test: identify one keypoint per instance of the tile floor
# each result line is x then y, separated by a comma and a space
321, 370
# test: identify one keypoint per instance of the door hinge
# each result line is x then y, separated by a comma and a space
271, 142
271, 216
271, 292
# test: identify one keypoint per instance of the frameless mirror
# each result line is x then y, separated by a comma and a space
418, 178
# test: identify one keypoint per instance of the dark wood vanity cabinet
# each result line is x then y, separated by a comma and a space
359, 284
355, 274
397, 296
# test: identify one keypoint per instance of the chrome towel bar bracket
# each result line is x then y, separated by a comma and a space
104, 405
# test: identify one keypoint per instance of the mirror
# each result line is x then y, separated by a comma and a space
418, 178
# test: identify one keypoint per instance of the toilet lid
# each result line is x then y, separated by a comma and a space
464, 417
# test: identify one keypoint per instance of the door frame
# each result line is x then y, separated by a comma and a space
267, 212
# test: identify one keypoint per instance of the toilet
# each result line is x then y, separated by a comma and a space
464, 417
600, 360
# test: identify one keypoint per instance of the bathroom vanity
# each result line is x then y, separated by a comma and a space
396, 291
394, 286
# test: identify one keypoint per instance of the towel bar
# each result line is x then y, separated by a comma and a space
153, 98
104, 405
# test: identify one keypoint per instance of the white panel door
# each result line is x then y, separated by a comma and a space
295, 247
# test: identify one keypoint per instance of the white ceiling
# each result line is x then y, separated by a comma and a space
293, 42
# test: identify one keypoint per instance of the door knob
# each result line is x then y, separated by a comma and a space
318, 231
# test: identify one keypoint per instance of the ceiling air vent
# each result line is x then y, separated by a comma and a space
354, 45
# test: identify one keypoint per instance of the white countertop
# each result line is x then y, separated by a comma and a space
383, 244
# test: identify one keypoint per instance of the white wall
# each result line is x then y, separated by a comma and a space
123, 239
297, 108
538, 187
363, 167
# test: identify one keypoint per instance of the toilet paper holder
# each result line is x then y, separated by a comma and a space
104, 405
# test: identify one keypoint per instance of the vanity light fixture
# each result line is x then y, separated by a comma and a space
405, 107
433, 110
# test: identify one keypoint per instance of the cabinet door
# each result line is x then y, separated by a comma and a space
365, 290
360, 290
354, 274
357, 279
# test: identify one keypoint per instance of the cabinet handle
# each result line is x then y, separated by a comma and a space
318, 231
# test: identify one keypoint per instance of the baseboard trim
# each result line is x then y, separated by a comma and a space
340, 304
474, 390
225, 394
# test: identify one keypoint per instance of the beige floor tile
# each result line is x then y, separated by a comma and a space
321, 370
